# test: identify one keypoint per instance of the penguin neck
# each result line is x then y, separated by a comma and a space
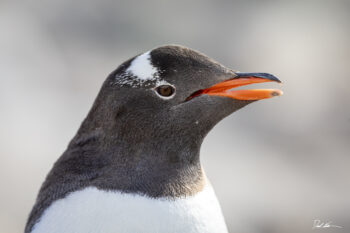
159, 168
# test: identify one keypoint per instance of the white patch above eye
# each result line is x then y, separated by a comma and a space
142, 68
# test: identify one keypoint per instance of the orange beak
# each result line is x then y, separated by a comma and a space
242, 79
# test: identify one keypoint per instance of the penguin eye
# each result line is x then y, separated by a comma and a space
165, 90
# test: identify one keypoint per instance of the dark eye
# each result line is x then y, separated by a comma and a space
165, 90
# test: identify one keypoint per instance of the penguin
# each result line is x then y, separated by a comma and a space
134, 164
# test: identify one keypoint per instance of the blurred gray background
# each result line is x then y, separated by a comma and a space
276, 165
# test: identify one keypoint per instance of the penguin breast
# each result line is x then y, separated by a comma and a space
92, 210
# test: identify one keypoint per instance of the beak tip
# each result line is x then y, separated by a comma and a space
276, 93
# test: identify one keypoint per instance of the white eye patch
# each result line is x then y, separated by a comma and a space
140, 71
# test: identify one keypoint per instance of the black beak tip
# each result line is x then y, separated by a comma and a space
259, 75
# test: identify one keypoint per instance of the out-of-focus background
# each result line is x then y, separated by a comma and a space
276, 165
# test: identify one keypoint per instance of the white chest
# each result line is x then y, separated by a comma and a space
95, 211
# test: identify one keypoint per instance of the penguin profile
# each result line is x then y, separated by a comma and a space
134, 164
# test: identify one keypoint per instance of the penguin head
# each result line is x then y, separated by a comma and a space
170, 96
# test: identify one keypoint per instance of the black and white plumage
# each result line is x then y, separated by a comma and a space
134, 164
